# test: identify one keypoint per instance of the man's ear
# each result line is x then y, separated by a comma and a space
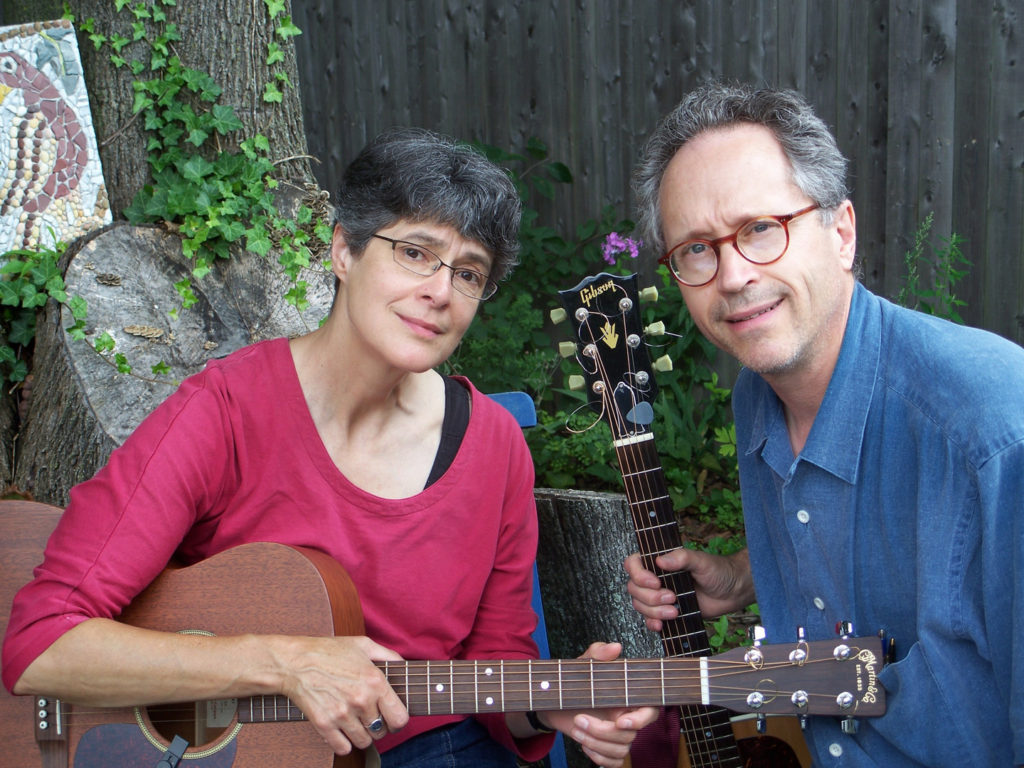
844, 223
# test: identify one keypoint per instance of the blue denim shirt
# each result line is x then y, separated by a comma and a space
903, 512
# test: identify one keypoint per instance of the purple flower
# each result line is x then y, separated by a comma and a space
614, 244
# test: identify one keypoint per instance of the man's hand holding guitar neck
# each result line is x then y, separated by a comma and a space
724, 584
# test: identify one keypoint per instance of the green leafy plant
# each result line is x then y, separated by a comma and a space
216, 199
946, 266
28, 278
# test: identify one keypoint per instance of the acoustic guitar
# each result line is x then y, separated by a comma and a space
274, 588
619, 380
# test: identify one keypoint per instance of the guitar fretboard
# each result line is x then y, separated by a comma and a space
708, 732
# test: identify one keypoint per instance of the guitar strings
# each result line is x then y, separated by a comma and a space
652, 680
701, 725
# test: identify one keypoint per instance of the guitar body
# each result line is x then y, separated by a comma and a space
259, 588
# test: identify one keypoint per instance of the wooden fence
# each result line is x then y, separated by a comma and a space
926, 98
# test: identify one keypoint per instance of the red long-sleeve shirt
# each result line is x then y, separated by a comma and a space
234, 457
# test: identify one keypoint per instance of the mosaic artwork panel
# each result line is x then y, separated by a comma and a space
51, 182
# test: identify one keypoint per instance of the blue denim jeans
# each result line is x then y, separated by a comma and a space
460, 745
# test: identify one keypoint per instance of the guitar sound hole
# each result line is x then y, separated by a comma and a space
199, 723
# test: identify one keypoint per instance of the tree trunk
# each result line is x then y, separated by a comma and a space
227, 39
81, 408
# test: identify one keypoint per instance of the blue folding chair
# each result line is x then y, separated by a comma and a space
520, 405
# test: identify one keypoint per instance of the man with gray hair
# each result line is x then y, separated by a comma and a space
881, 450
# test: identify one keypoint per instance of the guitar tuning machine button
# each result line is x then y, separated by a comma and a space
753, 656
845, 700
798, 655
649, 294
577, 382
655, 329
566, 349
849, 726
558, 315
842, 651
663, 364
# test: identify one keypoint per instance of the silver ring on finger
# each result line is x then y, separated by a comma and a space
375, 726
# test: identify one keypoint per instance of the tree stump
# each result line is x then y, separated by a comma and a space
584, 537
81, 406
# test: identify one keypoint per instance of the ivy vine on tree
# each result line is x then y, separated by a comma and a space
215, 199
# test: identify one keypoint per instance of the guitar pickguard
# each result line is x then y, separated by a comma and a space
125, 744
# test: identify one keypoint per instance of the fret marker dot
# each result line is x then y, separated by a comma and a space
439, 688
545, 685
489, 701
488, 671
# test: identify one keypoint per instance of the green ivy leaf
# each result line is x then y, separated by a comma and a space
274, 54
79, 307
274, 7
104, 343
287, 29
296, 296
224, 120
196, 168
272, 94
9, 295
161, 369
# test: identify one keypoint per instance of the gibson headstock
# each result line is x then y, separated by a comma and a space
617, 371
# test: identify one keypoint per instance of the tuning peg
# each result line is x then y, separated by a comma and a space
845, 630
798, 655
566, 348
753, 656
649, 294
849, 726
655, 329
761, 723
558, 315
577, 382
663, 363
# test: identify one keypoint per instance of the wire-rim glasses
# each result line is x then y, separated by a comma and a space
762, 240
422, 261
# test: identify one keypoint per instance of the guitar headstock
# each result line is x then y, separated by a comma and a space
617, 370
821, 677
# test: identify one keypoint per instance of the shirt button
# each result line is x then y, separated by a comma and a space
803, 516
819, 604
836, 750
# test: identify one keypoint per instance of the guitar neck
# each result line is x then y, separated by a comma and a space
733, 680
657, 532
472, 687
